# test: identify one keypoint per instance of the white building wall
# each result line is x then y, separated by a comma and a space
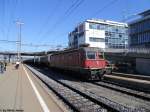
94, 33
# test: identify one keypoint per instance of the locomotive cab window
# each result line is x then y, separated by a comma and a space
100, 55
91, 55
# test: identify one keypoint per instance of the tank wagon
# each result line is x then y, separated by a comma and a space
85, 62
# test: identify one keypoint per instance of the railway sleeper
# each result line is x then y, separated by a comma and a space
50, 82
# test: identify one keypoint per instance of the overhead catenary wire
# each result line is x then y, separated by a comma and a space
30, 44
62, 19
59, 19
76, 3
73, 9
8, 41
104, 7
67, 13
3, 18
129, 17
49, 17
12, 13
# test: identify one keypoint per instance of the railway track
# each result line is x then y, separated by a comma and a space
74, 98
142, 77
136, 82
84, 89
138, 94
95, 91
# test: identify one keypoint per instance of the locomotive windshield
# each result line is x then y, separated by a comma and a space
91, 55
100, 55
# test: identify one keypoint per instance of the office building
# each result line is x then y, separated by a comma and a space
140, 31
99, 33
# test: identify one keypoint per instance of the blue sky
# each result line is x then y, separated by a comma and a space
49, 21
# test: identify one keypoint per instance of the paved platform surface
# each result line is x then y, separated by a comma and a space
17, 94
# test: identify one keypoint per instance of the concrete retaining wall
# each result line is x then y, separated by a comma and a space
143, 66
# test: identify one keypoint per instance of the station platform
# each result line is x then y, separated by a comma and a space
138, 84
21, 91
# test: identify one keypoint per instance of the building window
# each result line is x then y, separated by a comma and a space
81, 28
91, 55
120, 35
92, 26
81, 34
107, 33
94, 39
97, 26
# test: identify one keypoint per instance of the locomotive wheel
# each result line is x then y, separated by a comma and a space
108, 71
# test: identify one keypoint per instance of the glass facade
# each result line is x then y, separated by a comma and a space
94, 39
100, 33
140, 26
140, 33
115, 36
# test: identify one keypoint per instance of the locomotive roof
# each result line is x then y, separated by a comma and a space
92, 49
81, 48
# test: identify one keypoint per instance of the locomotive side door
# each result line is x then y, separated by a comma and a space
82, 58
79, 55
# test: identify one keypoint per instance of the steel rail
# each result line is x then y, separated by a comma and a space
121, 84
99, 99
128, 91
65, 95
135, 76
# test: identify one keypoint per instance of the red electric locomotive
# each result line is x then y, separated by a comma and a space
89, 62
